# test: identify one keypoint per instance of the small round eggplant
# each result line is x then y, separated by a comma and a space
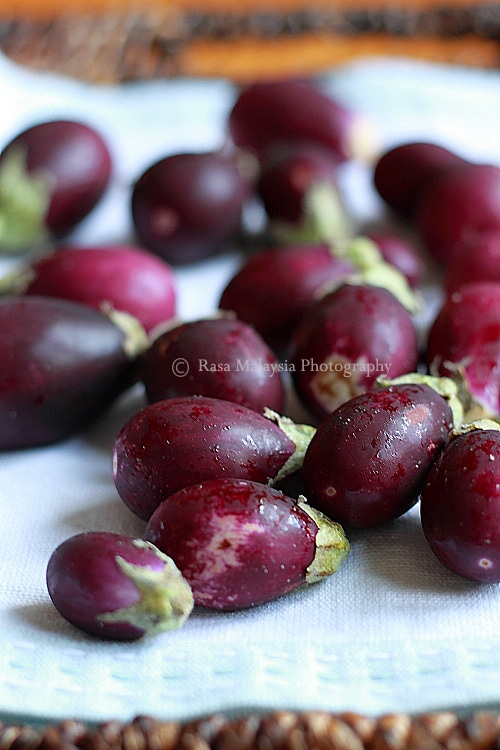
51, 177
460, 506
464, 339
62, 365
116, 587
288, 172
459, 204
348, 339
220, 357
174, 443
275, 287
104, 277
240, 543
368, 460
266, 112
187, 207
402, 172
477, 259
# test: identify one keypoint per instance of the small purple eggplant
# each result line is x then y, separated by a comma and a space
173, 443
62, 366
348, 339
240, 543
369, 458
104, 277
188, 206
117, 587
51, 177
220, 357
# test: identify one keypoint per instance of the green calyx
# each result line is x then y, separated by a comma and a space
24, 202
324, 219
135, 340
166, 599
372, 269
300, 435
332, 545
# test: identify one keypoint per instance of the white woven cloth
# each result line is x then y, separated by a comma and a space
393, 630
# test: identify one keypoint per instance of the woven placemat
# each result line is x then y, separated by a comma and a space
275, 731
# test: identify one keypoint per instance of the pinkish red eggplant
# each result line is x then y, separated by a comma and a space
62, 366
177, 442
276, 285
402, 172
220, 357
458, 205
116, 587
464, 341
345, 341
240, 543
460, 506
267, 112
369, 458
104, 277
477, 259
51, 177
188, 206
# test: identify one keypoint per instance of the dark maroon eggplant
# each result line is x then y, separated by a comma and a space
474, 260
458, 205
240, 543
289, 172
266, 112
369, 458
220, 357
347, 340
186, 207
62, 365
402, 172
117, 587
275, 286
104, 277
460, 506
51, 177
177, 442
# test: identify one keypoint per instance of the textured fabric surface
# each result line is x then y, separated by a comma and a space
393, 630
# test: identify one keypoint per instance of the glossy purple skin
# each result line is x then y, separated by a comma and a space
368, 460
222, 358
460, 506
275, 287
186, 207
400, 253
127, 278
269, 111
84, 581
288, 172
459, 204
78, 161
466, 333
237, 543
402, 172
177, 442
62, 366
475, 260
345, 341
